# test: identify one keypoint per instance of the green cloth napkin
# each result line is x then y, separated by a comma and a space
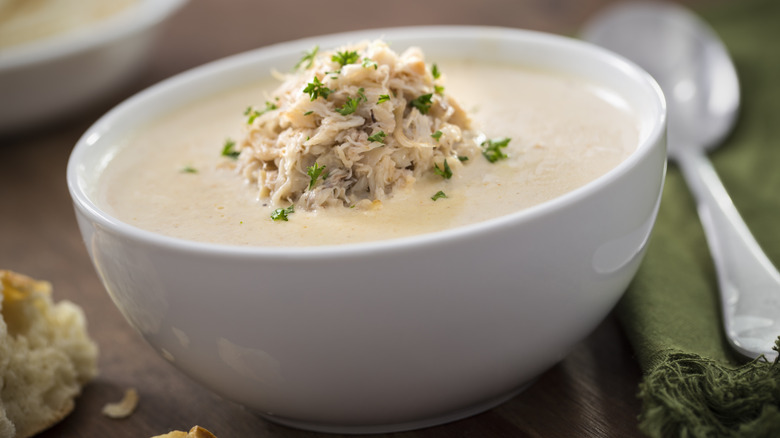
694, 385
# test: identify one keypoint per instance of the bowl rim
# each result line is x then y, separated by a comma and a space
89, 208
131, 20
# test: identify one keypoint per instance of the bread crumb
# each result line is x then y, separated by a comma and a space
199, 432
123, 408
173, 434
195, 432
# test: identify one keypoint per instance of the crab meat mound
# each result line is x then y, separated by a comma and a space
351, 126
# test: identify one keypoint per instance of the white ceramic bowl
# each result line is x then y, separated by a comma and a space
364, 337
47, 78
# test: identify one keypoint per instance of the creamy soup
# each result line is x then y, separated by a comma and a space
564, 132
26, 21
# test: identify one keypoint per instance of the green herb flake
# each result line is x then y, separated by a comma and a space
316, 89
307, 113
436, 135
280, 214
308, 58
435, 71
229, 149
188, 169
444, 172
344, 58
368, 63
383, 98
314, 172
379, 137
351, 105
463, 158
438, 89
253, 113
422, 103
439, 195
491, 149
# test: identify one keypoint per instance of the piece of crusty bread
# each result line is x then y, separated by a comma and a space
46, 356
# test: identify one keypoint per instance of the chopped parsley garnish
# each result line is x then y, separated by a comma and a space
438, 89
436, 135
314, 172
439, 195
350, 106
316, 89
435, 71
383, 98
229, 149
253, 113
422, 103
379, 137
367, 62
445, 173
463, 158
307, 113
308, 58
280, 214
345, 58
491, 149
189, 169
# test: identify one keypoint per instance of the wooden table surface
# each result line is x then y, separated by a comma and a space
589, 394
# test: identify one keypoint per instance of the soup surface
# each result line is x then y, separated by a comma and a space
564, 132
26, 21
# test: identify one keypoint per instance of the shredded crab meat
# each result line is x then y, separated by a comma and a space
372, 120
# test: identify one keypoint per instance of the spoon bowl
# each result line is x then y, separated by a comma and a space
688, 61
699, 81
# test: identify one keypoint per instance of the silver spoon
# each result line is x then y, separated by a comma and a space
699, 81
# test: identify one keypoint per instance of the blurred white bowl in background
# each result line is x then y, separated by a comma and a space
46, 78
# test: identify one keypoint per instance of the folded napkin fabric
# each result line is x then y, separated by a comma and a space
694, 385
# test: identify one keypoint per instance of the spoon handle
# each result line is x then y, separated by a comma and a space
749, 283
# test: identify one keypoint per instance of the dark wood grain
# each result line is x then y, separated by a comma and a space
589, 394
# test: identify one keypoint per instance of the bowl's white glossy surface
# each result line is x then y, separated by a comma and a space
44, 79
388, 335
